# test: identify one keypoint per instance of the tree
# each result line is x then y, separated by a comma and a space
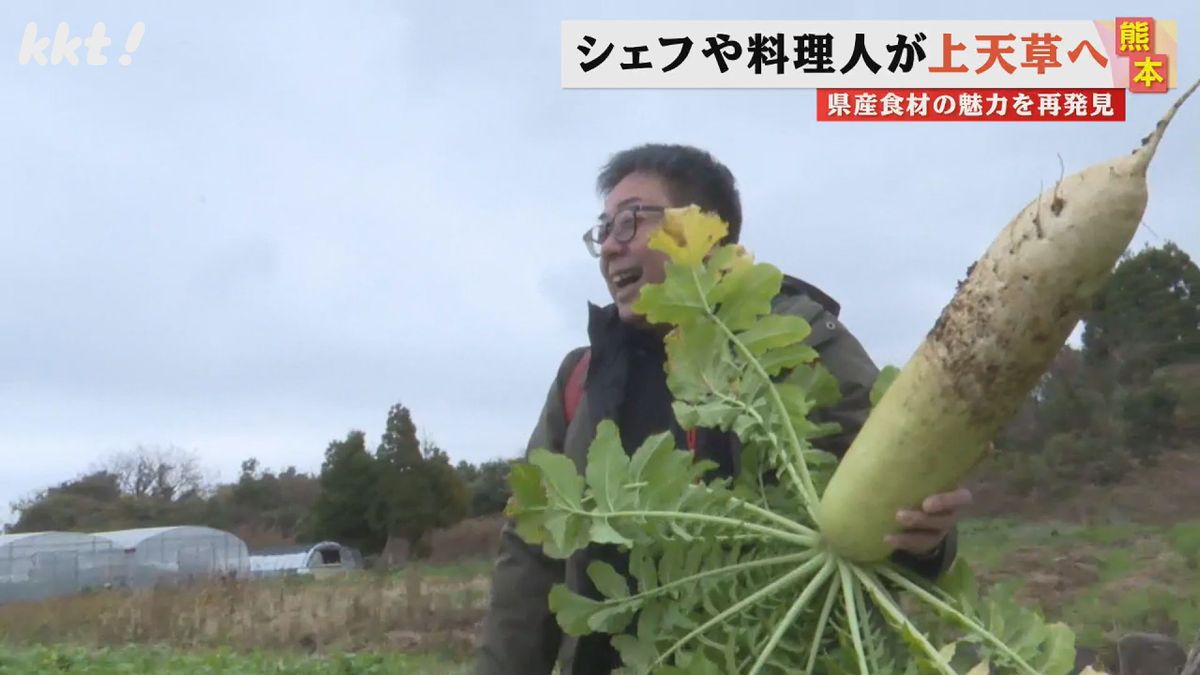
167, 474
1068, 397
1144, 323
263, 506
399, 446
468, 472
1147, 316
451, 496
418, 489
144, 486
87, 503
348, 483
488, 485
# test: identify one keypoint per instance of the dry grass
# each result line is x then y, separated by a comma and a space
472, 539
423, 608
1160, 494
360, 611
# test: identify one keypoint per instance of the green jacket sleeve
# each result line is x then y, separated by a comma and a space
520, 635
849, 362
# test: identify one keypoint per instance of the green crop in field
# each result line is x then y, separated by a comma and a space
46, 660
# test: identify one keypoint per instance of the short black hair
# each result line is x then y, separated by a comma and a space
693, 176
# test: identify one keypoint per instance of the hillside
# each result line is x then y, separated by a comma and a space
1164, 493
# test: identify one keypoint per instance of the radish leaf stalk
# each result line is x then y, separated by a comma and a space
745, 574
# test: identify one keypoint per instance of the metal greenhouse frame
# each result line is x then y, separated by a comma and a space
39, 565
182, 553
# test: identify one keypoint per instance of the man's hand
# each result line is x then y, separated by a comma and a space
925, 529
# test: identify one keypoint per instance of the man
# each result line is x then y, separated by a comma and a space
625, 382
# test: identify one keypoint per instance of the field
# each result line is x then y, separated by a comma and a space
109, 661
1102, 580
1105, 574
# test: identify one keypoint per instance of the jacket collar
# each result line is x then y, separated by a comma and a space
613, 341
606, 331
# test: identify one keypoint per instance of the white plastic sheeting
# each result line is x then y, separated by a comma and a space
39, 565
325, 556
156, 554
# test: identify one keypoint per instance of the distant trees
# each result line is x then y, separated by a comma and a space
404, 488
142, 486
150, 486
488, 485
347, 492
166, 474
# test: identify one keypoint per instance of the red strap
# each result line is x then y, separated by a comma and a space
574, 391
691, 443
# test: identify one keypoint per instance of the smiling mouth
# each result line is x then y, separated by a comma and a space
625, 279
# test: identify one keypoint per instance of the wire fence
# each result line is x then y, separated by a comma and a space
47, 565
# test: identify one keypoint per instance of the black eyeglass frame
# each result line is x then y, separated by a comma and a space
596, 235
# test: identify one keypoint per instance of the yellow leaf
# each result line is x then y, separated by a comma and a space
730, 259
688, 234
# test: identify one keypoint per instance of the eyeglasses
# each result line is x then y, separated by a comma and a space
622, 226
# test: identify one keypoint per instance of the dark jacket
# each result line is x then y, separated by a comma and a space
625, 383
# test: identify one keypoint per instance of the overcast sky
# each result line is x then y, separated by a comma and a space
284, 217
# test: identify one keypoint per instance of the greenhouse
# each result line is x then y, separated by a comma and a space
39, 565
316, 559
161, 554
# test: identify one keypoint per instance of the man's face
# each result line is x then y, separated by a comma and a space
627, 266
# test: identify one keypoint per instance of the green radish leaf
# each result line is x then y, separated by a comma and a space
602, 532
882, 382
563, 484
959, 581
680, 299
526, 484
637, 653
649, 622
610, 584
724, 259
528, 501
1058, 651
730, 263
652, 460
818, 384
713, 415
697, 349
749, 295
641, 567
572, 610
787, 357
612, 618
607, 468
567, 534
981, 668
773, 332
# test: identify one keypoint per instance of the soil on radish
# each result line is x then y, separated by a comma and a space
956, 336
